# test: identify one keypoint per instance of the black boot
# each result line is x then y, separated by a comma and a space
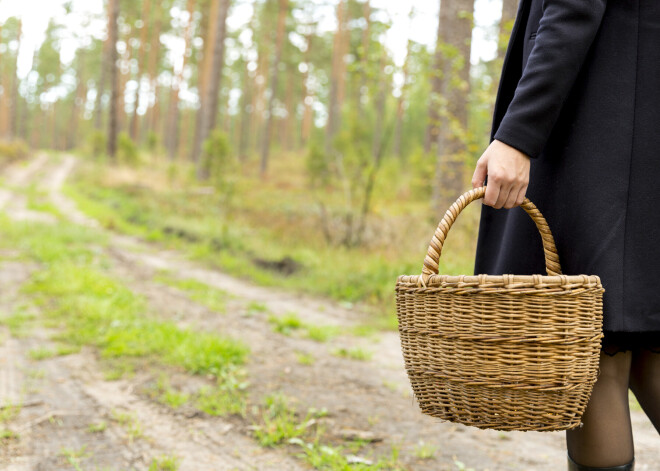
573, 466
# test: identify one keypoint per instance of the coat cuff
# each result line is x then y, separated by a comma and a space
519, 139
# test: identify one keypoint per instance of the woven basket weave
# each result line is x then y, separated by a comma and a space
508, 352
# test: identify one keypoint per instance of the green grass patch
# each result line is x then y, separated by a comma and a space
130, 423
91, 308
164, 393
75, 455
41, 353
165, 463
279, 422
213, 298
19, 322
254, 308
98, 310
286, 323
8, 413
425, 451
321, 333
228, 396
305, 358
97, 427
291, 322
354, 353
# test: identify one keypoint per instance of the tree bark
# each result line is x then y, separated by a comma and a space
246, 113
279, 43
431, 135
105, 66
146, 15
337, 78
113, 11
509, 10
456, 27
172, 133
209, 104
400, 106
364, 60
13, 119
308, 98
154, 106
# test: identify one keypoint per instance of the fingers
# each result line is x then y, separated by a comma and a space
480, 173
521, 195
508, 171
492, 193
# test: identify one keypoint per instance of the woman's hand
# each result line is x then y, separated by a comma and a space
508, 175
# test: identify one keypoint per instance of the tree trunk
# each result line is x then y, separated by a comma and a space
13, 119
509, 10
173, 116
456, 27
308, 99
113, 11
209, 104
153, 110
146, 14
364, 60
105, 65
377, 145
398, 130
78, 102
246, 99
431, 135
337, 78
279, 44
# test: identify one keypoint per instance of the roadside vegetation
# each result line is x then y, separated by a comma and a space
281, 242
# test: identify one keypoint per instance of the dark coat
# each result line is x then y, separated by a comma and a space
580, 95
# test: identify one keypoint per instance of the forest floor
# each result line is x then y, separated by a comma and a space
317, 394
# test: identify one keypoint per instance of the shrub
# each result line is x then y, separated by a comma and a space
127, 151
11, 151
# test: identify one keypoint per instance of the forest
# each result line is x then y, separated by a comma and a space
204, 207
301, 104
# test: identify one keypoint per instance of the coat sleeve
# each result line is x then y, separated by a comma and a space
566, 31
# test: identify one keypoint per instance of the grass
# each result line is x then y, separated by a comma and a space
74, 456
165, 463
354, 353
279, 422
95, 309
151, 204
19, 323
97, 427
254, 308
41, 353
305, 358
425, 451
321, 333
227, 396
286, 323
213, 298
130, 423
92, 308
8, 413
290, 322
164, 393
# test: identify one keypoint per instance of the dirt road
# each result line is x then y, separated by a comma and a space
73, 418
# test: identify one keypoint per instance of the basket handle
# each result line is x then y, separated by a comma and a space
435, 247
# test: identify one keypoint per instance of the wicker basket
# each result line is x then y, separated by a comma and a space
507, 352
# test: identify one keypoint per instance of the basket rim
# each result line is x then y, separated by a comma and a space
507, 281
